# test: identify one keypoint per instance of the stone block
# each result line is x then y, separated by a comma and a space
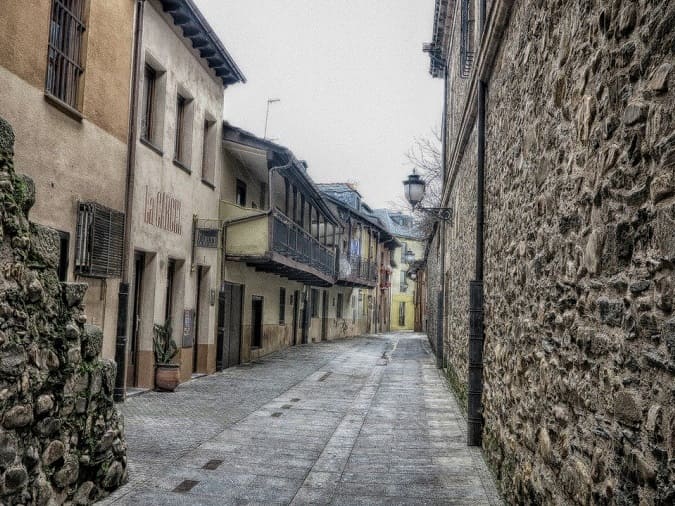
8, 448
6, 138
659, 79
54, 452
627, 407
73, 293
18, 416
611, 311
92, 341
12, 360
44, 246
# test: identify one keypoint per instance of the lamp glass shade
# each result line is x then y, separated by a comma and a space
413, 276
409, 256
414, 188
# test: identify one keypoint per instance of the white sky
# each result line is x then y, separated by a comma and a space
352, 78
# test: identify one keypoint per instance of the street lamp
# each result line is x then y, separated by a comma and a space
409, 256
267, 114
414, 188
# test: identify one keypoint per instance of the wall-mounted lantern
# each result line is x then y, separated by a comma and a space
414, 188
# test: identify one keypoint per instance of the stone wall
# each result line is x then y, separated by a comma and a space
579, 400
61, 438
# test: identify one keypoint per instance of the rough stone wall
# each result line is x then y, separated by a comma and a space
61, 438
460, 259
434, 284
579, 399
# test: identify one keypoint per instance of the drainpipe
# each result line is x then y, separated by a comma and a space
123, 294
440, 300
476, 310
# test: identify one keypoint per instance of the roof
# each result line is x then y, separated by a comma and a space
438, 47
192, 22
389, 219
279, 156
344, 192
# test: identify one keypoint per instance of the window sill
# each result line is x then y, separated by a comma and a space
151, 146
209, 184
63, 107
182, 166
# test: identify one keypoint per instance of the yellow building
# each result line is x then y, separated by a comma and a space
65, 70
403, 288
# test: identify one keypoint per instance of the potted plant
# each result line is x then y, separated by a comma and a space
167, 374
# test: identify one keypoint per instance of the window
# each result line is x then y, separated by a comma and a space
64, 66
404, 284
401, 314
149, 90
64, 246
170, 278
183, 131
240, 196
208, 161
100, 235
263, 195
340, 303
353, 309
467, 38
315, 303
282, 306
404, 248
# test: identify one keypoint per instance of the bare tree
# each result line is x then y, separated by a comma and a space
426, 157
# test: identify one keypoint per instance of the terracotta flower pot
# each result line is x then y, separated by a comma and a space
167, 377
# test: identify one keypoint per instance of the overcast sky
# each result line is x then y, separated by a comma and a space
352, 78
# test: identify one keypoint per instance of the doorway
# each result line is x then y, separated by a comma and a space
256, 321
296, 298
228, 341
324, 317
198, 313
132, 348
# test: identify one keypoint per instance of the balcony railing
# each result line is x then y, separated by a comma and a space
358, 270
291, 240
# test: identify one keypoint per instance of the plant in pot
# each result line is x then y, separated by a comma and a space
167, 374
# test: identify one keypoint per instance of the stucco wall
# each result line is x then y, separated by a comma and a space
156, 174
71, 160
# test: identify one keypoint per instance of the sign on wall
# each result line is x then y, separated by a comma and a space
207, 238
163, 210
188, 328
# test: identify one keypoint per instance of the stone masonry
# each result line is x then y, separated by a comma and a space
61, 438
579, 394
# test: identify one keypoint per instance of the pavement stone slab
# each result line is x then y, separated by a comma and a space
366, 420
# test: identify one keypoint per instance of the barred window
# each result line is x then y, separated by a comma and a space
64, 66
466, 50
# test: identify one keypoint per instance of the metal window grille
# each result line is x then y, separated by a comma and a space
64, 65
100, 241
466, 51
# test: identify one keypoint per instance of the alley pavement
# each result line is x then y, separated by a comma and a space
367, 420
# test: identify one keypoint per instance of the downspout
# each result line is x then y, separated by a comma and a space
476, 310
440, 313
123, 294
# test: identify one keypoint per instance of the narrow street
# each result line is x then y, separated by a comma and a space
367, 420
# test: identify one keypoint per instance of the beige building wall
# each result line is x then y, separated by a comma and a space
71, 158
184, 195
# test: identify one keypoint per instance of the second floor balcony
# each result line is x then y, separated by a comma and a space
272, 242
356, 271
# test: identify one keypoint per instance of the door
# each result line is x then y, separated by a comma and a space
304, 318
132, 348
228, 340
324, 317
198, 296
296, 298
256, 321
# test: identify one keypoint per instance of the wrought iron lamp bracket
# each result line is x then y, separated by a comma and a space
437, 213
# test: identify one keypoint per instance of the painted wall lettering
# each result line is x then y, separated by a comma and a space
163, 210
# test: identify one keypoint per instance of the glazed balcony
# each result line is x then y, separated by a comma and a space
356, 271
272, 242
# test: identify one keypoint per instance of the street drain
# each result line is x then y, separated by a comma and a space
286, 406
185, 486
212, 464
295, 400
276, 414
324, 376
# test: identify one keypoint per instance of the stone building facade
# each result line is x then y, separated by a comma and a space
65, 70
579, 241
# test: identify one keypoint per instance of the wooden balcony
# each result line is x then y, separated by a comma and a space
272, 242
356, 271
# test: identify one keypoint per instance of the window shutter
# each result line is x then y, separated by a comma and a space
100, 241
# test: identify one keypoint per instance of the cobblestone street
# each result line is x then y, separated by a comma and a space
359, 421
